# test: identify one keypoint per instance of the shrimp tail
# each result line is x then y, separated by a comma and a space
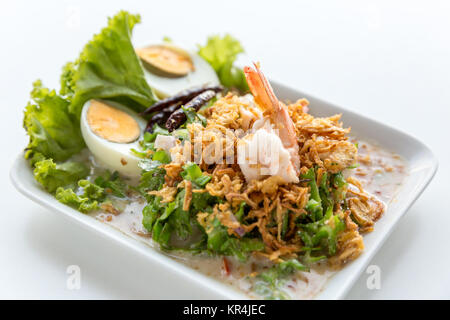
261, 88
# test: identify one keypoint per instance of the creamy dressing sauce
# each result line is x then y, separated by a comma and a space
381, 173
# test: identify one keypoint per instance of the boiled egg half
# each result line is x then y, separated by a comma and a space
110, 130
170, 69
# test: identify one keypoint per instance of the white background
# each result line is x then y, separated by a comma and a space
389, 60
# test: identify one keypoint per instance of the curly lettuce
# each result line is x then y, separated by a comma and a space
70, 198
87, 201
108, 68
52, 175
221, 53
54, 133
88, 196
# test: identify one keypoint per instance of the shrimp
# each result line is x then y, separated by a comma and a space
277, 114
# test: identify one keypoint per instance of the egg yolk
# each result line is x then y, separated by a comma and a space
112, 124
166, 59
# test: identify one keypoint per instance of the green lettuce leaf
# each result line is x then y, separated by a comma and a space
91, 195
70, 198
67, 85
53, 132
220, 53
108, 68
91, 190
87, 201
52, 176
113, 184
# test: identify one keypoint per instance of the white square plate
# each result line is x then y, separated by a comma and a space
169, 274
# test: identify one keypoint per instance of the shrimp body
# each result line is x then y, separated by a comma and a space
278, 126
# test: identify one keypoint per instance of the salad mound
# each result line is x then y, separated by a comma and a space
313, 219
225, 169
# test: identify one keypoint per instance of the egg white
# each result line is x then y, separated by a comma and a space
109, 154
203, 74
